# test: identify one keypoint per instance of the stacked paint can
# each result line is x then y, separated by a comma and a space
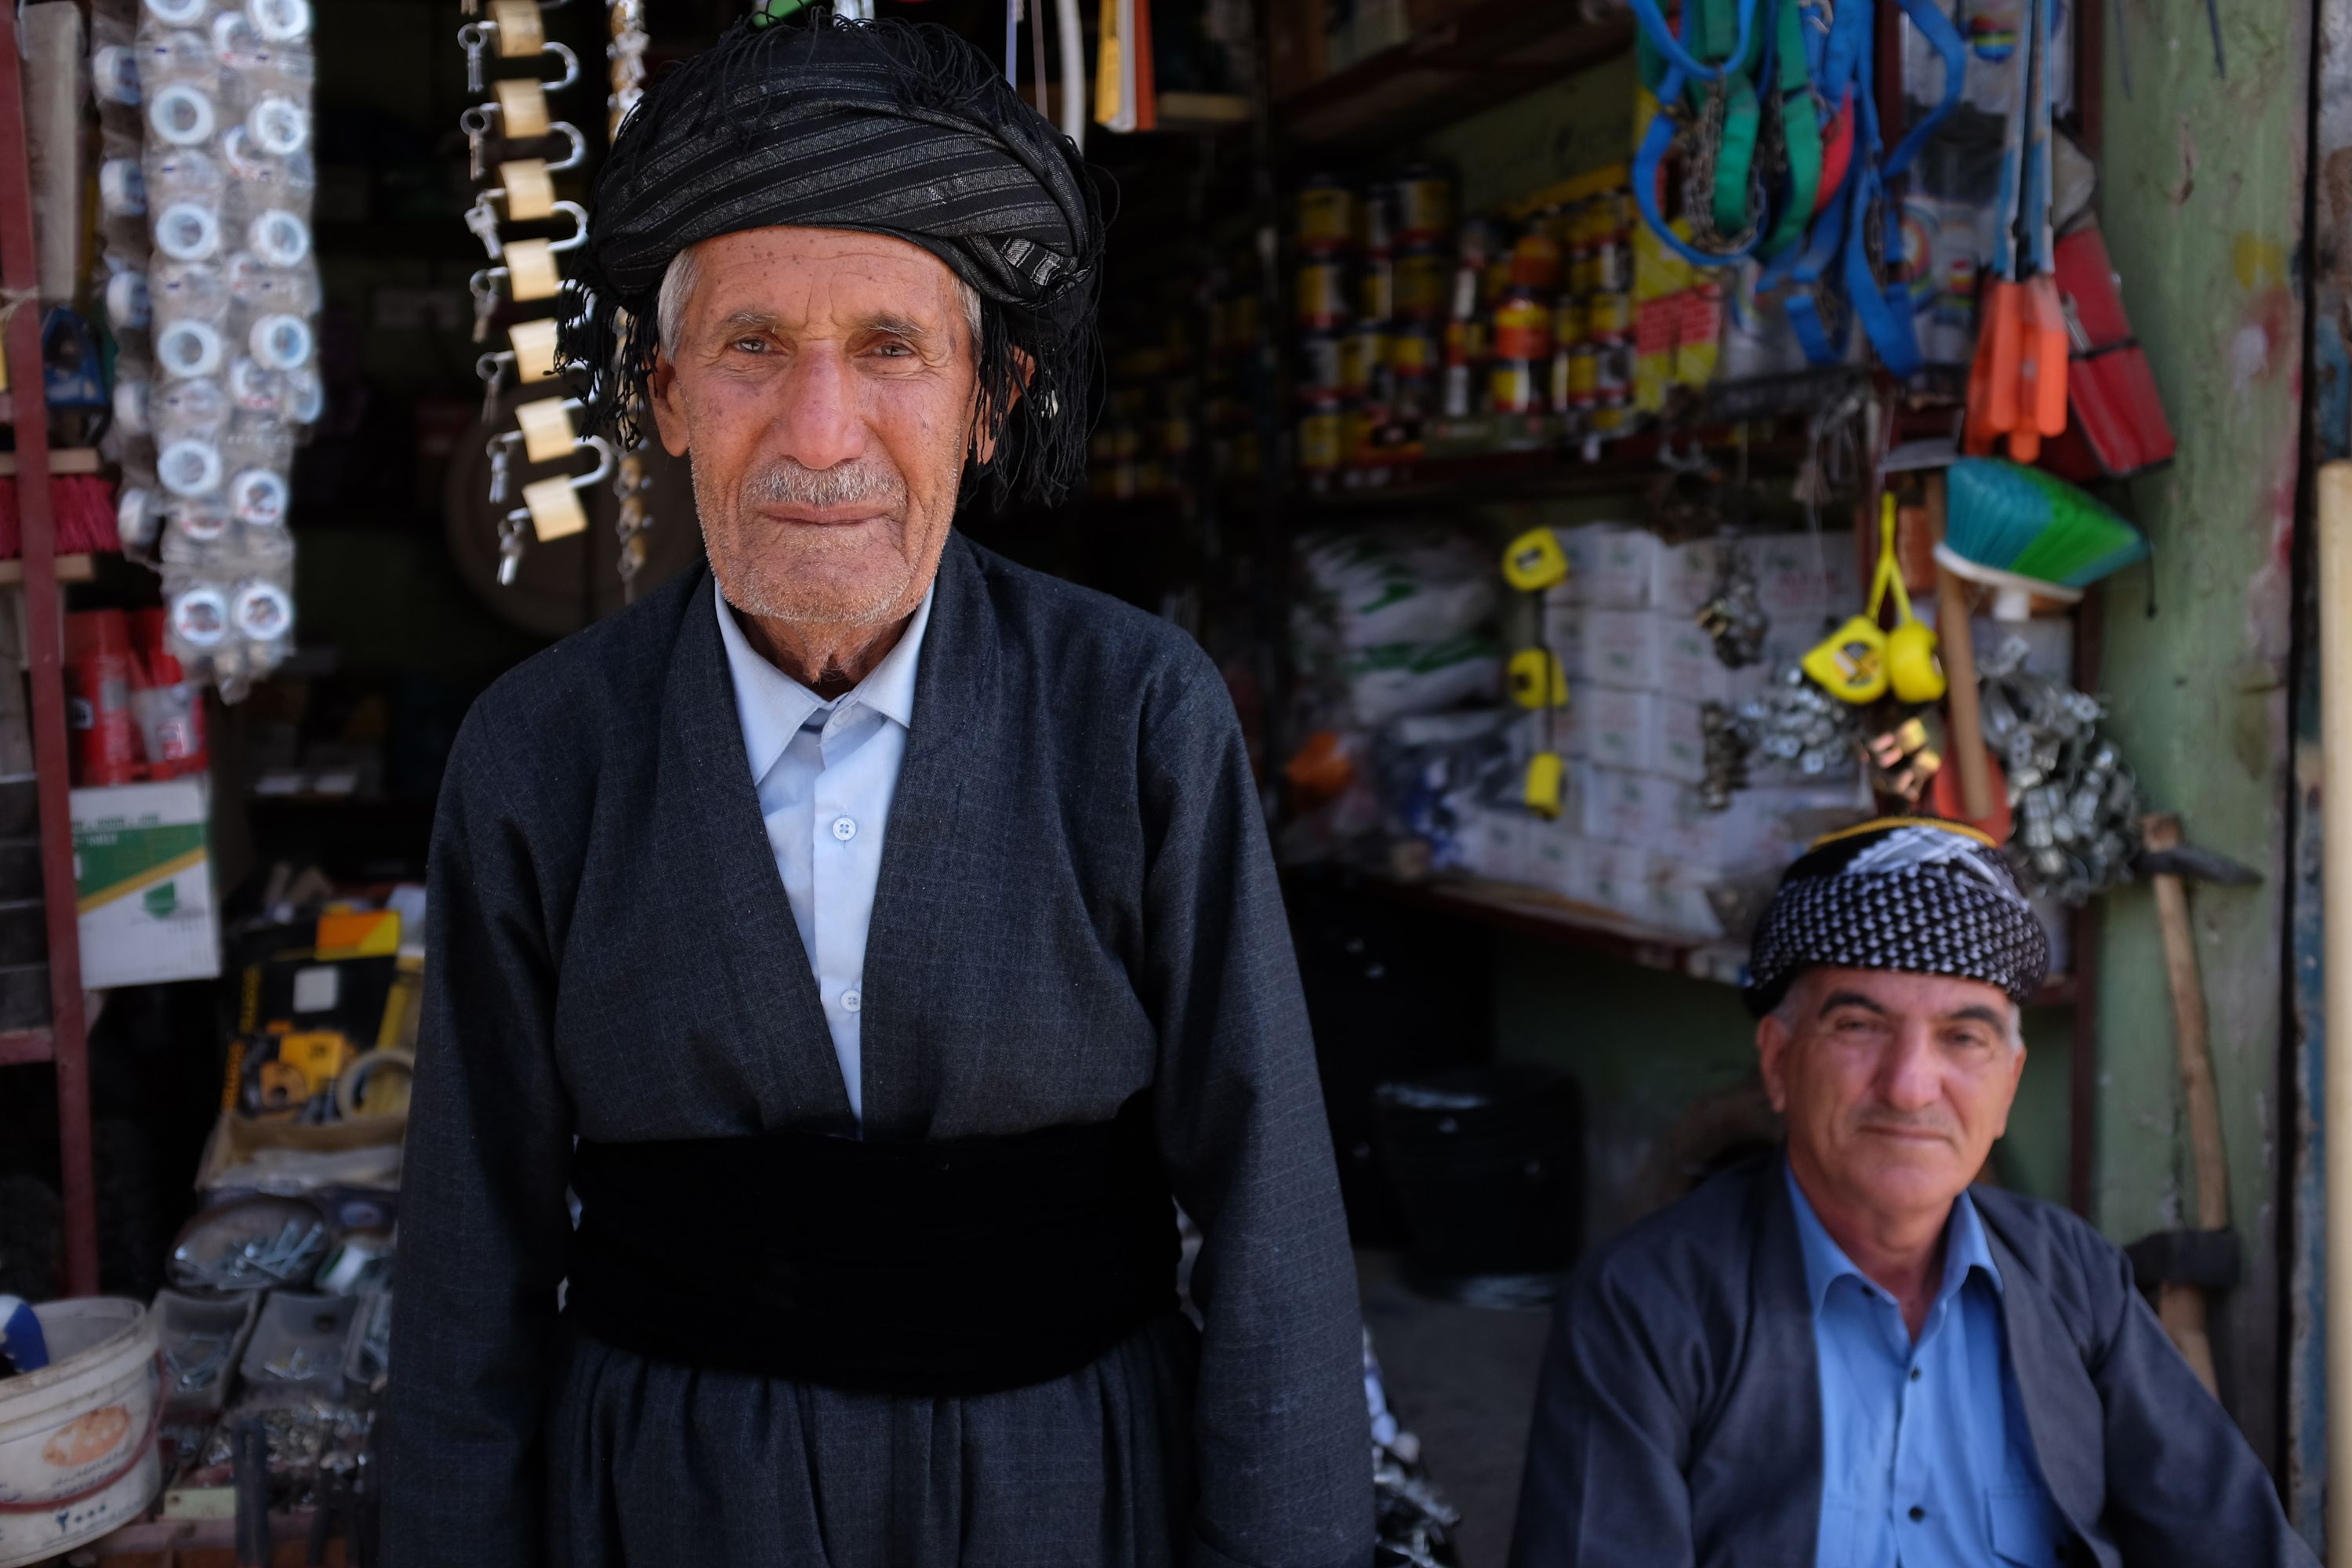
1371, 269
1323, 308
1593, 369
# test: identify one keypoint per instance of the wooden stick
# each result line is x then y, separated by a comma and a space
1960, 655
2336, 776
2181, 1309
2190, 1037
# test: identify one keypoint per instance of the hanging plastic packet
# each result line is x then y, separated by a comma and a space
231, 299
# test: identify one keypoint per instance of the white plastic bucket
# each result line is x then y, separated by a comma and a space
77, 1438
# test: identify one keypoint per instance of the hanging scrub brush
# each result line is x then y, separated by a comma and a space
2022, 532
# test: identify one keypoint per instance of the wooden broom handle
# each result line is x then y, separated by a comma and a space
1960, 656
2204, 1107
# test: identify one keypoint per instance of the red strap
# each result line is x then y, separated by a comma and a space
1837, 151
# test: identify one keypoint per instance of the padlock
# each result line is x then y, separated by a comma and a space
517, 32
526, 188
1534, 561
552, 507
530, 272
517, 111
545, 426
533, 359
483, 218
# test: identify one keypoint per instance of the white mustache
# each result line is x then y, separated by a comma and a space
1893, 1122
788, 483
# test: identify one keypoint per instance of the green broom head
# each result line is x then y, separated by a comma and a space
2013, 519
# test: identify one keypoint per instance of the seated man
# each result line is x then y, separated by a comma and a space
1845, 1357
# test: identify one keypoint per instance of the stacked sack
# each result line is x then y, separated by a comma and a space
1395, 621
232, 295
1636, 836
1399, 673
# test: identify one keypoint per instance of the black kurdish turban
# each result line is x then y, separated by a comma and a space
1906, 893
883, 127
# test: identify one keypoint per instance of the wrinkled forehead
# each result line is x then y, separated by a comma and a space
819, 279
1899, 994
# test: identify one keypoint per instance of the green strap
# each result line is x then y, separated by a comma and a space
1734, 162
1714, 32
1801, 130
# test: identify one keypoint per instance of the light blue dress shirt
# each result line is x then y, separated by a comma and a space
1926, 1461
825, 773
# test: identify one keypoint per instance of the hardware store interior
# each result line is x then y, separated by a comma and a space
1588, 504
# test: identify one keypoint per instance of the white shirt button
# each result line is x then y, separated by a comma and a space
844, 829
851, 1001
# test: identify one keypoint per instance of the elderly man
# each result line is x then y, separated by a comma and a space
1844, 1357
872, 935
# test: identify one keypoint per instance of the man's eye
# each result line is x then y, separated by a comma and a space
893, 349
753, 345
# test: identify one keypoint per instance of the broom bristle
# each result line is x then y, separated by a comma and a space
2019, 520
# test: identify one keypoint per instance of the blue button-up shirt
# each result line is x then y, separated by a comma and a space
1926, 1460
825, 773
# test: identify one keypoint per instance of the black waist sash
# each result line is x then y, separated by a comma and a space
954, 1268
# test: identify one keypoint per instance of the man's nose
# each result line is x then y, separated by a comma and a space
1910, 1074
818, 421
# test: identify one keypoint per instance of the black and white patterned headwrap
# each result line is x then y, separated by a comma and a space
883, 127
1901, 893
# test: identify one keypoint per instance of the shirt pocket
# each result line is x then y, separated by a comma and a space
2019, 1521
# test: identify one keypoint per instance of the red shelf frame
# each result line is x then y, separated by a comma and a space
64, 1043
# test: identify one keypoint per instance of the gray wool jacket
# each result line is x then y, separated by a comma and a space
1075, 902
1678, 1422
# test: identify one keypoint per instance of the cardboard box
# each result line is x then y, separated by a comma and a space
1555, 860
1622, 648
1560, 625
1676, 741
1611, 565
1623, 807
143, 871
1764, 826
1617, 877
1495, 844
1613, 726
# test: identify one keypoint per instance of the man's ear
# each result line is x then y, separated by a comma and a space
661, 396
987, 427
1772, 1043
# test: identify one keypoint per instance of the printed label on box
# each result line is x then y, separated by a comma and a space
143, 878
1614, 727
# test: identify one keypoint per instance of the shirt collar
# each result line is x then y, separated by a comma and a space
771, 706
1965, 1247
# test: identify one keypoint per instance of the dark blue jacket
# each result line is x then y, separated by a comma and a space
1679, 1423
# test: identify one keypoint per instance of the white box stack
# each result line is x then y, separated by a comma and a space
1635, 839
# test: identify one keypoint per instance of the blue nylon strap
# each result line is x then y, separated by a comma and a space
1886, 315
1937, 28
1663, 38
1807, 283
